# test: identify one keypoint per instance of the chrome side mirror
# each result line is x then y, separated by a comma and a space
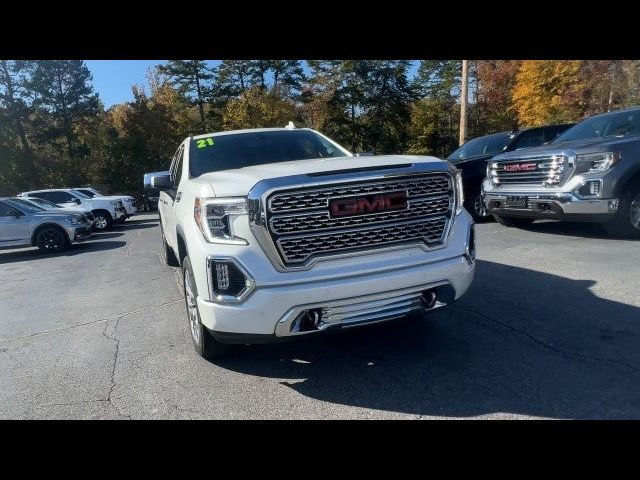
159, 180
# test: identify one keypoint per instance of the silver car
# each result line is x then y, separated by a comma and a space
23, 225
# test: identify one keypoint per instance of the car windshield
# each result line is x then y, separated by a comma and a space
24, 205
88, 193
238, 150
44, 203
488, 145
617, 124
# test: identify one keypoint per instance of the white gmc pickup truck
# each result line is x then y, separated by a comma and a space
282, 232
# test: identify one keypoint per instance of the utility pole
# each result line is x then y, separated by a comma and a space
463, 101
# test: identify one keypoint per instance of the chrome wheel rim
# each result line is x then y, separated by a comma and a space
192, 308
634, 212
479, 207
100, 223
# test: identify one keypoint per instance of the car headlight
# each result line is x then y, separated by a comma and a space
76, 220
596, 162
214, 218
459, 193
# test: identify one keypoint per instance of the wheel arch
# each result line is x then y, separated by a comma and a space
182, 244
48, 224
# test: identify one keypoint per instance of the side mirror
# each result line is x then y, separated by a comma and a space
77, 201
149, 176
161, 182
16, 213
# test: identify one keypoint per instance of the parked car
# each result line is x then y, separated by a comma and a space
23, 225
150, 199
589, 173
47, 205
127, 200
105, 210
472, 158
282, 233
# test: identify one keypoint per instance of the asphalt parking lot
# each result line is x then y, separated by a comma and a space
549, 329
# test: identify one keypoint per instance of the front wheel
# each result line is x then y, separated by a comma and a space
51, 240
102, 220
514, 221
204, 343
476, 207
626, 221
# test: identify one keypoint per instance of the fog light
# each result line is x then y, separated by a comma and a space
229, 281
613, 205
589, 189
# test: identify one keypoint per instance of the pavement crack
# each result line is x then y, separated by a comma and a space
544, 344
112, 378
133, 244
106, 319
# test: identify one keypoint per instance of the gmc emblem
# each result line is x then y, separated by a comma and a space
346, 207
520, 167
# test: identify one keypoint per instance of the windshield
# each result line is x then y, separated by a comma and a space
87, 193
44, 203
238, 150
488, 145
618, 124
24, 205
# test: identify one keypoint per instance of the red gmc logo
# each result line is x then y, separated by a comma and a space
345, 207
520, 167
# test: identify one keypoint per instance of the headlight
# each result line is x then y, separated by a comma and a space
596, 162
213, 216
459, 193
74, 220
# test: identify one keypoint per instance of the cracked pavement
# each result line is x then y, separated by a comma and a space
549, 329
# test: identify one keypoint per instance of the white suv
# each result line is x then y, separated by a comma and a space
105, 210
127, 200
283, 233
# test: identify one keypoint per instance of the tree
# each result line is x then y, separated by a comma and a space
428, 128
233, 77
493, 108
549, 91
257, 108
15, 103
191, 77
386, 103
66, 106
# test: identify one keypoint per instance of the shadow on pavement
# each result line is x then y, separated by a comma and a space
572, 229
519, 342
75, 249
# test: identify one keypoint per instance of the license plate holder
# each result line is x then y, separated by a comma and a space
517, 201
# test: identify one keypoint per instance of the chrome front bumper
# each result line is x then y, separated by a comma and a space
548, 205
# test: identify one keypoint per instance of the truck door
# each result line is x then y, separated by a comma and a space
169, 198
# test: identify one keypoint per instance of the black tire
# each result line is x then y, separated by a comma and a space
102, 220
476, 208
203, 342
626, 221
51, 239
168, 256
514, 221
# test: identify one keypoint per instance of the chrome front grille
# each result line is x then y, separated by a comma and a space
305, 222
300, 226
287, 202
545, 171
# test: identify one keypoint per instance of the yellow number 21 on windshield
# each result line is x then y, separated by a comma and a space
205, 142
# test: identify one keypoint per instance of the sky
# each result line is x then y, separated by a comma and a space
113, 79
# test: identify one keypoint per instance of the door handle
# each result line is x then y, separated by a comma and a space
178, 196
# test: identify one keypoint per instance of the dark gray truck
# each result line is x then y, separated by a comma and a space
589, 173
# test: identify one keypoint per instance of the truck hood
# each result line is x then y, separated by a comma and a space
238, 182
592, 145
